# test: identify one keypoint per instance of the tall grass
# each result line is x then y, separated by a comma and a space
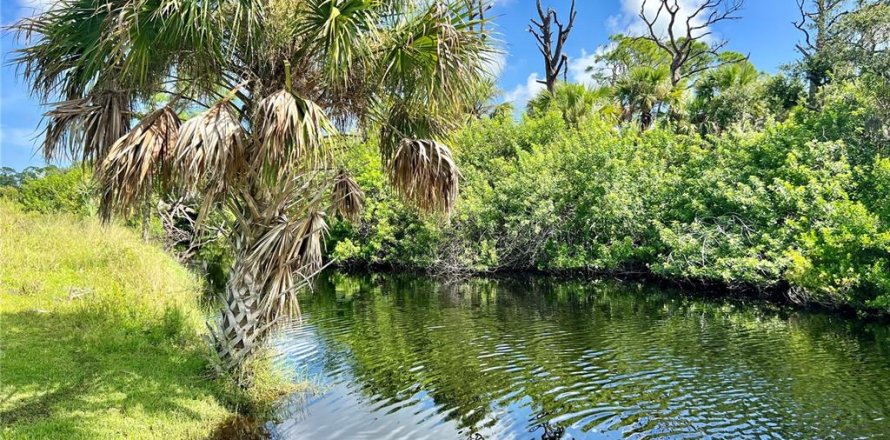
100, 335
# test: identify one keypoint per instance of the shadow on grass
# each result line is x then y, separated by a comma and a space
77, 375
239, 427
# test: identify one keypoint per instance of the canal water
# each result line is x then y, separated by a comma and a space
408, 357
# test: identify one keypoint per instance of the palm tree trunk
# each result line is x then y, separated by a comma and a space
146, 218
239, 330
645, 119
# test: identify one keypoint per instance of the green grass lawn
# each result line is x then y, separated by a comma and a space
99, 335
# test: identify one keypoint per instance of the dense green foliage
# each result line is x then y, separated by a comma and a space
723, 175
50, 189
800, 206
715, 172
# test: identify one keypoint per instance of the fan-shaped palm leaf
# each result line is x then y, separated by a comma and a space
210, 150
86, 127
424, 173
284, 258
336, 29
435, 55
347, 197
129, 170
290, 131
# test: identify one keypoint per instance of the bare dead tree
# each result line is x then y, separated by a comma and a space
555, 60
688, 58
819, 26
477, 9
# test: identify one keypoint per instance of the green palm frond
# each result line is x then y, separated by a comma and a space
435, 56
338, 30
153, 36
68, 48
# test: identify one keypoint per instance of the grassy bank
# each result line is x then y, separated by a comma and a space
100, 335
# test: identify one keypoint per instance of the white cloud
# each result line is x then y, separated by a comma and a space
520, 94
495, 64
578, 66
28, 8
629, 22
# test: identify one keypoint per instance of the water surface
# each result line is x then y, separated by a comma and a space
407, 357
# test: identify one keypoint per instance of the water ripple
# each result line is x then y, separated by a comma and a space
399, 357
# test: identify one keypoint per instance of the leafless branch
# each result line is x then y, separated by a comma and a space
682, 49
555, 61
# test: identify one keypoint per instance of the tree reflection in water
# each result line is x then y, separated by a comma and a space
496, 358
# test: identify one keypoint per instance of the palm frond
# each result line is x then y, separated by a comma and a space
211, 150
424, 173
135, 161
284, 258
85, 128
68, 49
403, 121
338, 31
290, 132
435, 55
347, 197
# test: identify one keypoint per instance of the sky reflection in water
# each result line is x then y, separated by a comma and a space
407, 357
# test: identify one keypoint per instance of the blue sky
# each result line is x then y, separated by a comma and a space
765, 31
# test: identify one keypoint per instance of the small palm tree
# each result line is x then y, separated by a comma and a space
575, 102
729, 95
642, 91
272, 84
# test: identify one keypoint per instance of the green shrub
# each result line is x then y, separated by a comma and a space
9, 193
59, 191
782, 208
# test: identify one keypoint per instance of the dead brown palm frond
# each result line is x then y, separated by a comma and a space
86, 127
136, 160
424, 173
348, 198
210, 150
290, 131
283, 259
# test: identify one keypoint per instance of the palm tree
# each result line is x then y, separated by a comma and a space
274, 82
728, 95
642, 91
574, 101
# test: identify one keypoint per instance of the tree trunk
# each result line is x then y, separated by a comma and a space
645, 119
239, 330
146, 218
676, 75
